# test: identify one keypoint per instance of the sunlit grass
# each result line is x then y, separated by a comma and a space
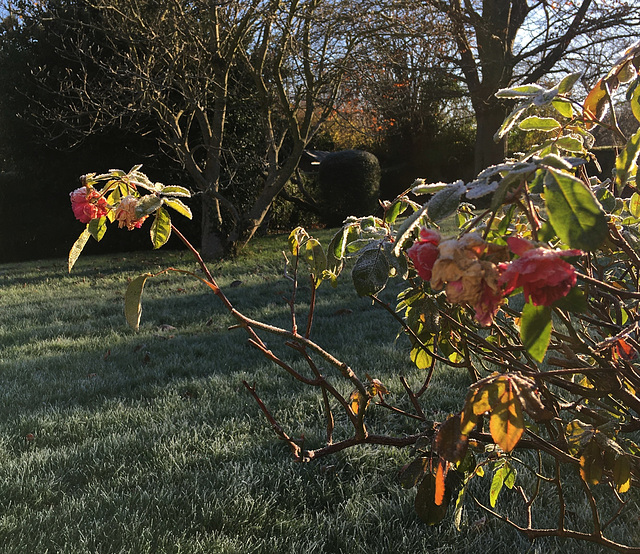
114, 441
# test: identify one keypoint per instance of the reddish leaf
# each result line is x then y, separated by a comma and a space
410, 475
441, 473
450, 443
529, 397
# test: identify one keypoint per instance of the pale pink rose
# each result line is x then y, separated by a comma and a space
126, 213
542, 273
424, 252
87, 204
467, 278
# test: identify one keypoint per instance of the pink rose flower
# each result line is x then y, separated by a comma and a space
87, 204
424, 252
126, 213
542, 273
468, 277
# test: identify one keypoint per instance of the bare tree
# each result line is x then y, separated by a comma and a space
501, 42
174, 66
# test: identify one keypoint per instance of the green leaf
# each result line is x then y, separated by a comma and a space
574, 212
337, 247
97, 227
314, 254
634, 204
370, 273
445, 202
634, 100
510, 120
535, 329
523, 91
161, 228
77, 248
626, 162
591, 463
147, 205
575, 301
505, 475
431, 188
297, 238
622, 473
405, 232
607, 200
578, 434
175, 190
419, 355
425, 504
567, 83
563, 107
556, 162
179, 206
133, 301
570, 144
535, 123
394, 211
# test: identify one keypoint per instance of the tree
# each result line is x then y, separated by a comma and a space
174, 67
500, 42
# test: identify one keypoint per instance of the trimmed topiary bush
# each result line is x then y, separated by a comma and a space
349, 185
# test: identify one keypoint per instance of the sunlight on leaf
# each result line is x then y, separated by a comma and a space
161, 228
133, 301
506, 422
535, 330
77, 248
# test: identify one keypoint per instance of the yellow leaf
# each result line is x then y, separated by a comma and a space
591, 463
506, 423
482, 400
622, 474
595, 105
376, 386
357, 400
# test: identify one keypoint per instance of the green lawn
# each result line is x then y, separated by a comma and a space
114, 441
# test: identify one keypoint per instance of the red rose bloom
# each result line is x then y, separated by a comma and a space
542, 273
87, 204
424, 252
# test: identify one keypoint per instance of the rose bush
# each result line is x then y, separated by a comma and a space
535, 296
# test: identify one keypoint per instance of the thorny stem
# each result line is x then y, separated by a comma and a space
605, 286
413, 335
251, 324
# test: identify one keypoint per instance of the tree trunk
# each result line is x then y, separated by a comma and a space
488, 152
213, 245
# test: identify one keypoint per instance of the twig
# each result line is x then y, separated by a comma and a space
295, 449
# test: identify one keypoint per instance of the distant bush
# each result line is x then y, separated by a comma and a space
349, 185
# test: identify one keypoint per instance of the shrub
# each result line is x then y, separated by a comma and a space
349, 183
